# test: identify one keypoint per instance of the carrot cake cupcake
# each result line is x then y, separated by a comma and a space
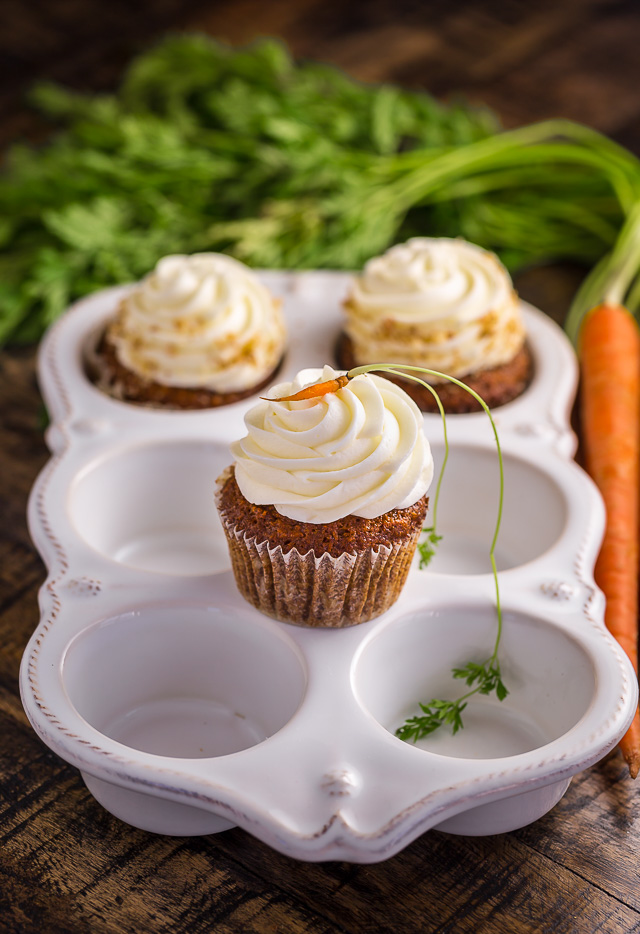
325, 502
198, 331
445, 304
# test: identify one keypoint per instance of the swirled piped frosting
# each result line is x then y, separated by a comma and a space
359, 451
440, 303
200, 321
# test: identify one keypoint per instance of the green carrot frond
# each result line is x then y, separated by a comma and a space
485, 678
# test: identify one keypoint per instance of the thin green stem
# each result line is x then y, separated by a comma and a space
612, 277
632, 300
399, 370
494, 656
416, 379
514, 150
487, 675
586, 297
625, 258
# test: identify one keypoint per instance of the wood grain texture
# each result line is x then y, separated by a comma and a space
68, 867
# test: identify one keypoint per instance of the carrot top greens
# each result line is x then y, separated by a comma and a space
283, 165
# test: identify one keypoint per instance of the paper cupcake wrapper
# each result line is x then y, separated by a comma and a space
318, 590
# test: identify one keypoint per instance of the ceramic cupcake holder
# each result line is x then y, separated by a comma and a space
187, 711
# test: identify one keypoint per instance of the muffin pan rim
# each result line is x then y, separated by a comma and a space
507, 776
61, 373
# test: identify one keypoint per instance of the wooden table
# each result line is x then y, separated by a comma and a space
68, 866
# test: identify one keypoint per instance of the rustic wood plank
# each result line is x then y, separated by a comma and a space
434, 885
585, 77
430, 886
111, 878
591, 829
22, 452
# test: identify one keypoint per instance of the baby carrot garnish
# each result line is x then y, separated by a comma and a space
315, 391
609, 350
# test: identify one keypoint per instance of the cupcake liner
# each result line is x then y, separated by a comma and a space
318, 590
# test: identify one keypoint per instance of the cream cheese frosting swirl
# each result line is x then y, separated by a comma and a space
442, 303
200, 321
359, 451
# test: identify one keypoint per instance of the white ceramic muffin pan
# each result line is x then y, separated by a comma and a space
187, 711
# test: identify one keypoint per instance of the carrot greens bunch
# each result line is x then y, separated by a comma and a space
283, 165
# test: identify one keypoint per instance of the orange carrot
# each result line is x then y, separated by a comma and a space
609, 351
315, 391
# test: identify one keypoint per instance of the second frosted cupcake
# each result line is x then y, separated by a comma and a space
445, 304
199, 331
324, 505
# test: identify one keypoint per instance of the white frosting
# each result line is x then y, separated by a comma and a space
441, 303
200, 321
359, 451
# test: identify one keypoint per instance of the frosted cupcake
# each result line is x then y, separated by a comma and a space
444, 304
198, 331
325, 502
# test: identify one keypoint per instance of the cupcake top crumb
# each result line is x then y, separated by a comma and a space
359, 451
350, 534
443, 303
199, 321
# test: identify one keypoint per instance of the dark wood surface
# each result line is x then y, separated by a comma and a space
68, 866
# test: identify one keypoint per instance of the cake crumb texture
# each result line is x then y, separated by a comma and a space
496, 386
118, 381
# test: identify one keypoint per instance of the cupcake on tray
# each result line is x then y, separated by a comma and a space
445, 304
198, 331
325, 502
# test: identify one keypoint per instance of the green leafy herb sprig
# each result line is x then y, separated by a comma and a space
436, 713
427, 547
484, 677
283, 165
